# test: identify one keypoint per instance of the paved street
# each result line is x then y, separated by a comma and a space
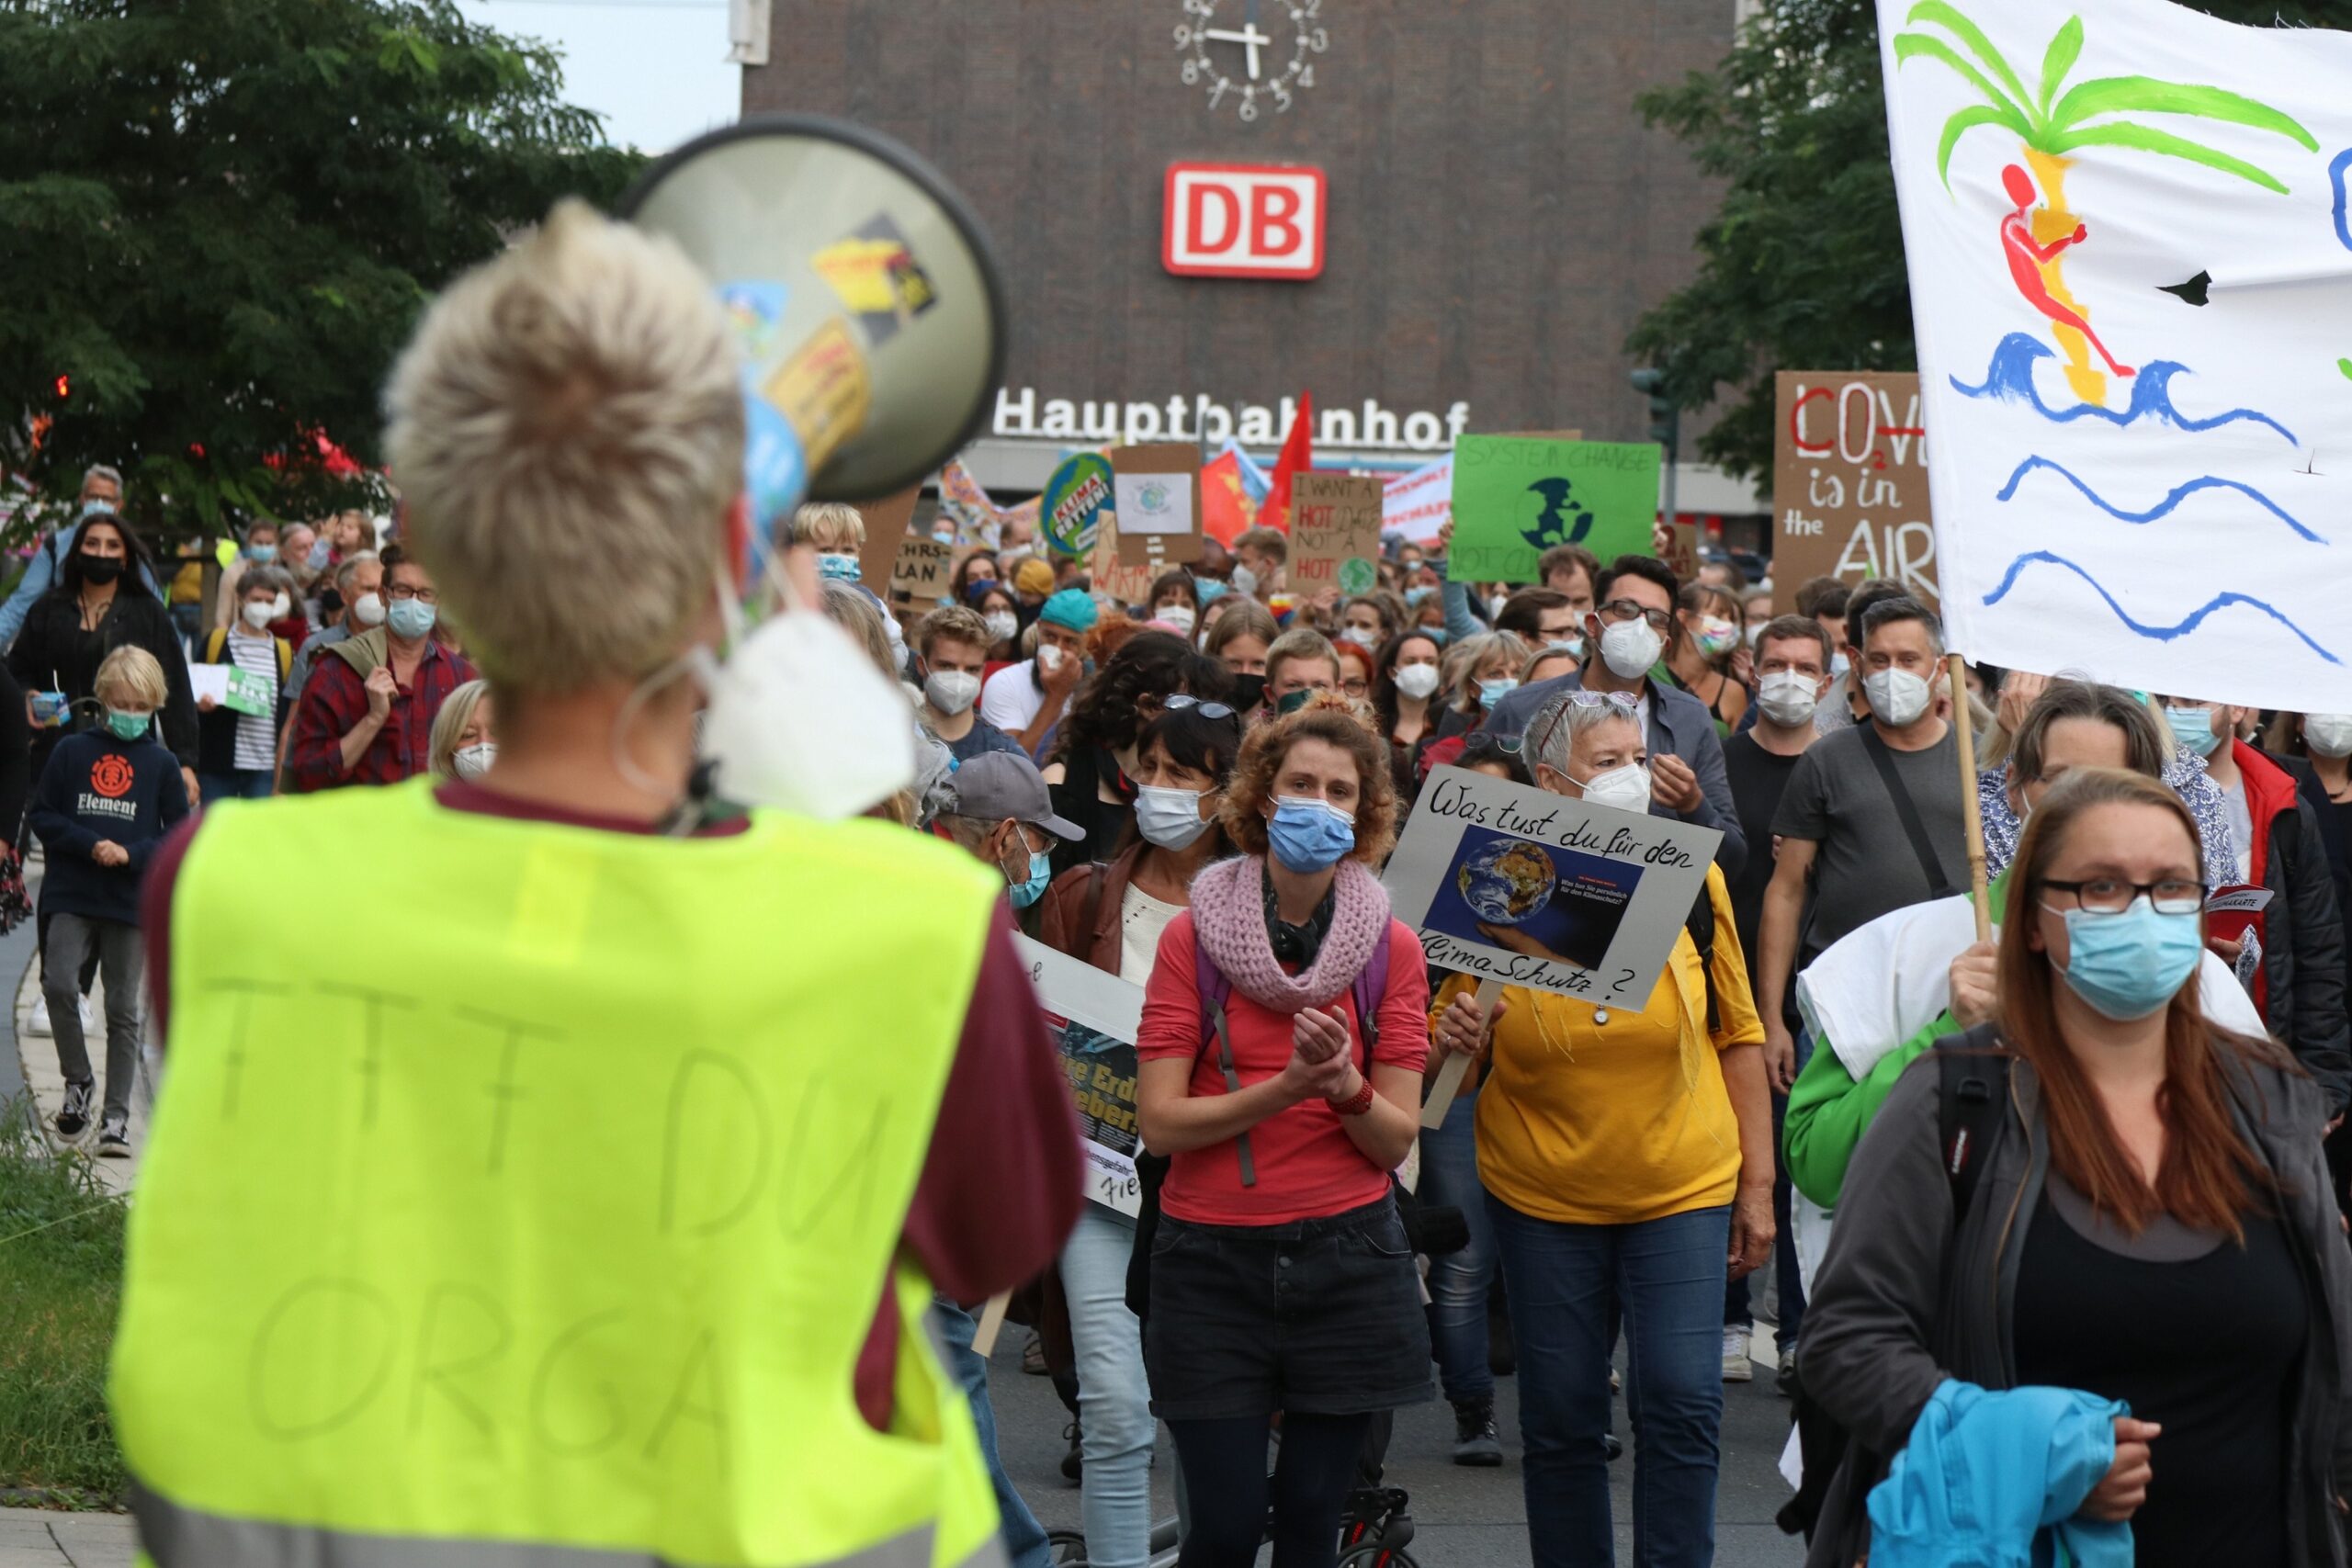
1472, 1518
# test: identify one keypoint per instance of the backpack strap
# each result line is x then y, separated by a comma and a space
1973, 1085
1370, 988
213, 640
1216, 991
1700, 924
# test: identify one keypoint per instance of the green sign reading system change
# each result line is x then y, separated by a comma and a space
1517, 496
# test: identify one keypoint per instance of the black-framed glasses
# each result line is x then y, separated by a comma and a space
2113, 895
1186, 700
422, 596
1628, 609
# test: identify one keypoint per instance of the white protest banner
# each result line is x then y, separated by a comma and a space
1519, 887
1096, 1016
1414, 506
2126, 230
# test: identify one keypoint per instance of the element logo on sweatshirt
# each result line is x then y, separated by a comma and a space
112, 776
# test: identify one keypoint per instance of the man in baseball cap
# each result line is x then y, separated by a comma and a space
1001, 813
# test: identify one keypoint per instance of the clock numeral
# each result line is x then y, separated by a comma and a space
1318, 40
1183, 36
1192, 73
1282, 98
1218, 91
1199, 7
1314, 7
1249, 109
1306, 76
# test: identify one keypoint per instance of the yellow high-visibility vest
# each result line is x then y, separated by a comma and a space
532, 1210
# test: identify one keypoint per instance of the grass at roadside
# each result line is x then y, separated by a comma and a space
61, 1268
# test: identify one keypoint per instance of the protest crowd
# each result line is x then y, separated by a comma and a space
2068, 1187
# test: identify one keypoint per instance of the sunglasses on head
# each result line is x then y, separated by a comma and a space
1186, 700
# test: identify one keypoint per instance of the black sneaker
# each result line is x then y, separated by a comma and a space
1074, 1461
114, 1138
72, 1119
1475, 1441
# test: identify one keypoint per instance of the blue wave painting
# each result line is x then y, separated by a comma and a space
2010, 378
2161, 509
2154, 633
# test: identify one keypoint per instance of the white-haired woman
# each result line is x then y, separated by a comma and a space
464, 744
1480, 672
1627, 1157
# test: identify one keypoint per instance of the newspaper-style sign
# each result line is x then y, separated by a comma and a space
1519, 886
1096, 1018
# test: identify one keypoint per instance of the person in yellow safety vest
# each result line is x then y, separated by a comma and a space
585, 1210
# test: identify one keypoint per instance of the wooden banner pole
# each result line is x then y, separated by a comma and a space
991, 1322
1972, 812
1449, 1077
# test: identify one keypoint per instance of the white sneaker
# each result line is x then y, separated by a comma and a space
1738, 1367
37, 1021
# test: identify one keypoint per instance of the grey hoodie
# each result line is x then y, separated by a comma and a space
1888, 1322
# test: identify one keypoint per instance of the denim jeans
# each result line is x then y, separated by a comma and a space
1667, 1276
237, 784
1114, 1396
1460, 1281
1024, 1538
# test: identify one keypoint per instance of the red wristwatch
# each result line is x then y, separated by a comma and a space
1355, 1104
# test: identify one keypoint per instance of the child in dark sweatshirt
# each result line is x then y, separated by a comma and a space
105, 801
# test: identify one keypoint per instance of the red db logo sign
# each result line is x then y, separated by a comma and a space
1243, 221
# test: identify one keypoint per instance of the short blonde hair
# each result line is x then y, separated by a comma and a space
449, 725
1302, 644
829, 526
132, 675
567, 430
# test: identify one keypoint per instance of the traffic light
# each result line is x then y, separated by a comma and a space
1666, 427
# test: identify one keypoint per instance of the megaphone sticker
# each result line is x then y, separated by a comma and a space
876, 274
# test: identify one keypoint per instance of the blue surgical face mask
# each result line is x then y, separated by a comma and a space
2193, 727
844, 568
260, 555
1309, 835
1435, 634
1041, 872
1416, 597
1495, 688
2129, 965
128, 726
1209, 589
410, 618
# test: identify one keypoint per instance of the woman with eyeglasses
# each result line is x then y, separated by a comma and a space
1092, 770
1111, 915
2148, 1218
1405, 682
1627, 1161
1355, 670
1699, 658
1285, 1028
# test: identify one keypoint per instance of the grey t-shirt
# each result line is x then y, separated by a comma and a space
1865, 865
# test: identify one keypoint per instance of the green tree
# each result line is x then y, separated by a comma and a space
1802, 267
224, 217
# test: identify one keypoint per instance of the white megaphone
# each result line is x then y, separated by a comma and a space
865, 292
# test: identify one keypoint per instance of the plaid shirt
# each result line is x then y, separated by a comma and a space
335, 701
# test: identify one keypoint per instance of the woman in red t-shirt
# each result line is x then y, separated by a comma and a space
1280, 1277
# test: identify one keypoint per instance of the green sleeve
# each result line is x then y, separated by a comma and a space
1828, 1112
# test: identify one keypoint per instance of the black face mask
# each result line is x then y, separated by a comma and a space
1248, 691
330, 603
101, 569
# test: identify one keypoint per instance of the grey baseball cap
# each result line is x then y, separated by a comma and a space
999, 785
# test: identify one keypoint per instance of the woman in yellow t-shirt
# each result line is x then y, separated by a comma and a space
1627, 1158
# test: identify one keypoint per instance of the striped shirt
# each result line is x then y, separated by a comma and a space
256, 734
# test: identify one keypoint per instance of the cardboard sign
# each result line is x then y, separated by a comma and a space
887, 523
1531, 888
1682, 554
1850, 481
1515, 497
1156, 497
1096, 1018
922, 570
1113, 577
1335, 523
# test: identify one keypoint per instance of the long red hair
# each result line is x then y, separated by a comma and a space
2208, 1178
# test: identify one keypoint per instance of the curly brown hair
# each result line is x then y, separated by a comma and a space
1329, 718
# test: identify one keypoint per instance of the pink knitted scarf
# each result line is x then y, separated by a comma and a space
1229, 922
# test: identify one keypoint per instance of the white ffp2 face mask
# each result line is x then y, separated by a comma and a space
1897, 696
2328, 734
800, 720
1180, 616
1417, 681
1788, 698
1624, 789
951, 691
1629, 648
1002, 625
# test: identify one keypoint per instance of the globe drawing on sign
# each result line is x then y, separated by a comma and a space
1154, 498
1357, 575
1508, 881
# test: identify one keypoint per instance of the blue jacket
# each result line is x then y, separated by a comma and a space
1680, 723
1992, 1479
97, 789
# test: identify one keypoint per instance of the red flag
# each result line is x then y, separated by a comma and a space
1228, 509
1298, 455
